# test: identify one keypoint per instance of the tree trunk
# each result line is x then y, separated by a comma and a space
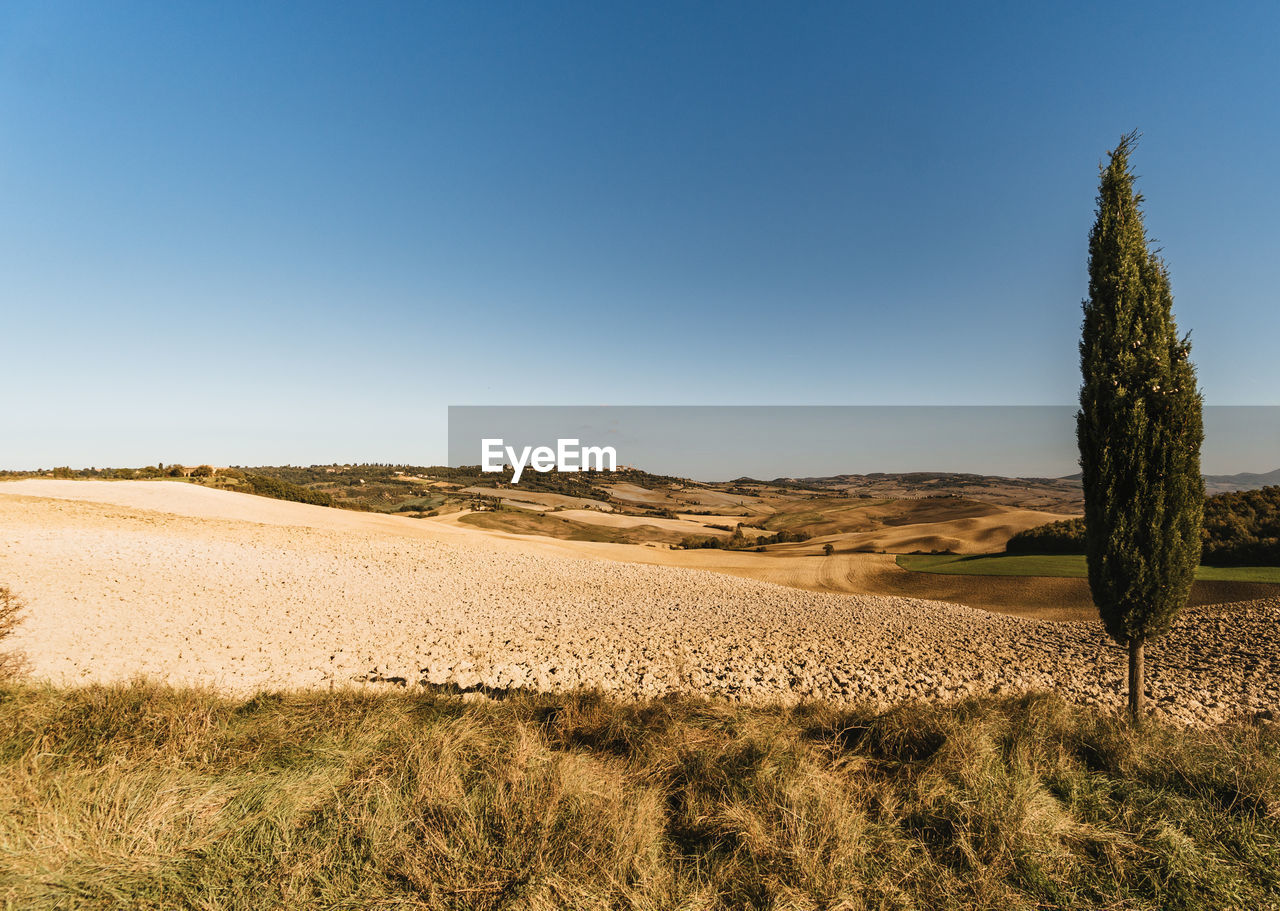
1137, 692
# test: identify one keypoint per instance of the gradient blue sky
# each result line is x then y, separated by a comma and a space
262, 233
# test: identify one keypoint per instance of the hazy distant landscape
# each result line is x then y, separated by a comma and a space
891, 534
571, 652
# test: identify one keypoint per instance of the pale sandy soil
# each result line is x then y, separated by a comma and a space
190, 585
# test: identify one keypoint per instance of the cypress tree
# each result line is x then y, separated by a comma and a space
1139, 429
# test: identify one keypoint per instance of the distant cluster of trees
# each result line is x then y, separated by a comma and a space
371, 483
1065, 537
565, 483
785, 537
147, 472
702, 542
581, 484
739, 541
1243, 528
284, 490
1240, 529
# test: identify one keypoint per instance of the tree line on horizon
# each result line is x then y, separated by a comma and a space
1240, 528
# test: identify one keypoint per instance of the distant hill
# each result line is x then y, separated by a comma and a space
1031, 492
1225, 483
402, 488
1054, 494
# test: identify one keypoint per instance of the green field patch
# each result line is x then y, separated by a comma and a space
1058, 566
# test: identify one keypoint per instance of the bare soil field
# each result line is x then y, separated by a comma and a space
903, 525
681, 499
537, 499
620, 520
189, 585
565, 528
859, 525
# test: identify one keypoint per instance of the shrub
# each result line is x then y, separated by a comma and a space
283, 490
785, 537
1065, 537
698, 543
1242, 528
11, 608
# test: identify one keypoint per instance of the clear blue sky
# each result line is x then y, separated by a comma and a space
252, 233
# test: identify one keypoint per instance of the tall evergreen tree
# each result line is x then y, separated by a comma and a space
1139, 428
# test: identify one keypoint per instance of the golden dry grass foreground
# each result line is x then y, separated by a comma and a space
185, 584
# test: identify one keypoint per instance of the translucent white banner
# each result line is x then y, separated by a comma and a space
713, 443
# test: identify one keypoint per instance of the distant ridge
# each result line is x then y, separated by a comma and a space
1245, 480
1222, 483
1247, 477
1064, 491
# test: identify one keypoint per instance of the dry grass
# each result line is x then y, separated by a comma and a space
147, 797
